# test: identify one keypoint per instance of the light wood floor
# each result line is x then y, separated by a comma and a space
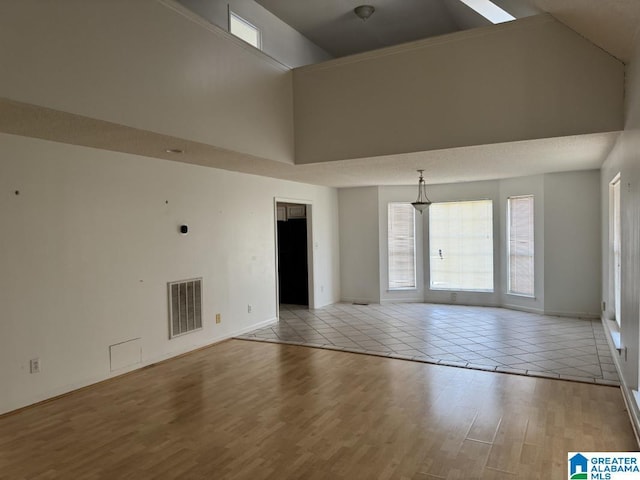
249, 410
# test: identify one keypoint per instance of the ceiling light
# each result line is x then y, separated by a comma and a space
422, 202
174, 150
364, 11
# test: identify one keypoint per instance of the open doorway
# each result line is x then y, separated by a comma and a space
292, 252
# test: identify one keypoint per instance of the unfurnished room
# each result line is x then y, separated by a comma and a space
275, 239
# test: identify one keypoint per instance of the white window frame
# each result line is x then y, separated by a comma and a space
615, 239
234, 16
432, 256
389, 249
510, 289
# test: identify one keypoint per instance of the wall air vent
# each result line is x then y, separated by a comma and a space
185, 306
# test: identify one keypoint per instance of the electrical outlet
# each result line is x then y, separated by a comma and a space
249, 308
34, 365
218, 318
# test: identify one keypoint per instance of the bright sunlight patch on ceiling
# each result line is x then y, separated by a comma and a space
489, 10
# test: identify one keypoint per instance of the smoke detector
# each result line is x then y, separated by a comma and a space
364, 11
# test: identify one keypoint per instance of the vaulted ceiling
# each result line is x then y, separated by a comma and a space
332, 25
610, 25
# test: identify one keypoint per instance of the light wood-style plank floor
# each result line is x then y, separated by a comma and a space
249, 410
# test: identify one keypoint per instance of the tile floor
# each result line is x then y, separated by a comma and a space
482, 338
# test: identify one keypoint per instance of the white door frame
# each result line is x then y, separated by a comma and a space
310, 257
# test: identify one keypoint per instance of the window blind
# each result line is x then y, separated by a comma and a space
461, 245
616, 245
521, 246
402, 246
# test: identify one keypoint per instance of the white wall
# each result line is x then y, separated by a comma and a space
567, 244
279, 40
527, 79
625, 159
572, 260
146, 65
91, 241
359, 245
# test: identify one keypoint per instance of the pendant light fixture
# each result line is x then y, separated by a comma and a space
422, 202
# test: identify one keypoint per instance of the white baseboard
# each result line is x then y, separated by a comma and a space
464, 304
255, 326
68, 388
628, 394
591, 316
387, 301
539, 311
521, 308
359, 300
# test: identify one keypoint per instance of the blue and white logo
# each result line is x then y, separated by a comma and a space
578, 466
603, 465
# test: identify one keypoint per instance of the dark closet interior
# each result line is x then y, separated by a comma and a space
292, 255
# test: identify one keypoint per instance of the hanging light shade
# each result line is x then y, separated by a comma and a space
422, 202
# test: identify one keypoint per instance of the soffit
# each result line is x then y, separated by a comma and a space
483, 162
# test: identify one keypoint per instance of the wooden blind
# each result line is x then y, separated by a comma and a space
402, 246
521, 245
461, 245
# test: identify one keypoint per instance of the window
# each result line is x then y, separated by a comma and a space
244, 30
401, 231
520, 245
615, 228
461, 245
489, 10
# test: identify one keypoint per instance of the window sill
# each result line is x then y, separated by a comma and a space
612, 328
521, 295
458, 290
614, 333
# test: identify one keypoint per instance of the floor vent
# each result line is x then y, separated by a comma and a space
185, 306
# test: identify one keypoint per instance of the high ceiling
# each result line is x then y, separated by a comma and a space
332, 25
